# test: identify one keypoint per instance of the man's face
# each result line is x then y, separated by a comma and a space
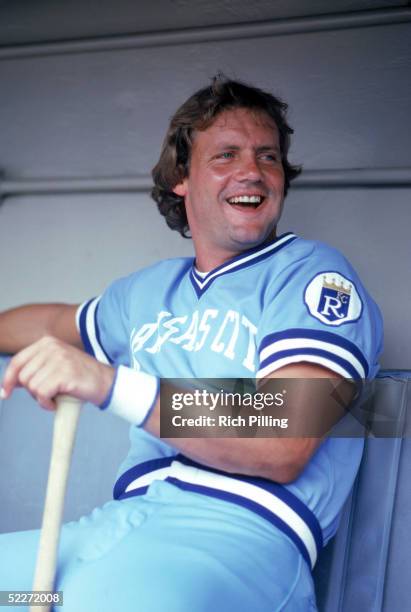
235, 189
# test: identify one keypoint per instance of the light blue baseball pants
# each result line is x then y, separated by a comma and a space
167, 551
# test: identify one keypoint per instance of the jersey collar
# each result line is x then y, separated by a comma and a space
201, 282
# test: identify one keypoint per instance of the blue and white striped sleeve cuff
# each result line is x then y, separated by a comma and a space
86, 319
321, 347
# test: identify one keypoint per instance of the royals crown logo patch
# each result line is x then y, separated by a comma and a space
333, 299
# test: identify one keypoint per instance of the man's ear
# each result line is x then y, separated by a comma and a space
181, 188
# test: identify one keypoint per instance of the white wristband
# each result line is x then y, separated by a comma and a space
132, 396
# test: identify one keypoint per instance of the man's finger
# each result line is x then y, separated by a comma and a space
10, 381
16, 365
46, 403
45, 385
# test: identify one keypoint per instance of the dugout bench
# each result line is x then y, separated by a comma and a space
366, 567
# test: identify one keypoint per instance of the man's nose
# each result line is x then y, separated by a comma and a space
249, 169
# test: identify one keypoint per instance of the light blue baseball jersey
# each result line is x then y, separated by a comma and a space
292, 300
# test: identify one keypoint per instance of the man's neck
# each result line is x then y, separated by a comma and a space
210, 260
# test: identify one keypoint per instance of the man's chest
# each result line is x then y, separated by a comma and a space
182, 335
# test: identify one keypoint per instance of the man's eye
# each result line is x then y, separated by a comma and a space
226, 155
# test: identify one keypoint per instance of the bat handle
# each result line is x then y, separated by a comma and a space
64, 431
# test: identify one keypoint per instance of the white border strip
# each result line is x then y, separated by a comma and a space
196, 476
280, 363
244, 260
302, 343
91, 329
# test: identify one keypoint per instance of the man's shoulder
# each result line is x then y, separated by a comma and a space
306, 254
307, 261
306, 249
166, 271
163, 271
174, 265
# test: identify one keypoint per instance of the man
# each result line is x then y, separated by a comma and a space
201, 523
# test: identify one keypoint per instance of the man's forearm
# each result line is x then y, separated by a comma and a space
21, 326
278, 459
317, 399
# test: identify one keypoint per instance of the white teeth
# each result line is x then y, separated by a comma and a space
252, 199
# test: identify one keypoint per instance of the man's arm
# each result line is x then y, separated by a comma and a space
21, 326
281, 459
50, 367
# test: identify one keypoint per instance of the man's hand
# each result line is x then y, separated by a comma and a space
50, 367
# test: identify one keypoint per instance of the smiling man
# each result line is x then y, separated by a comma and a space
234, 192
203, 523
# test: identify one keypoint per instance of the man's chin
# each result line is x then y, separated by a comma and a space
245, 239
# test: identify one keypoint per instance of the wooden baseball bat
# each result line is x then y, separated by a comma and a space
64, 431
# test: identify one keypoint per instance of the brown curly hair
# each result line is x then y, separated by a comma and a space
198, 113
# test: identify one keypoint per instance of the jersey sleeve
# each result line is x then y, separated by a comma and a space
318, 311
103, 323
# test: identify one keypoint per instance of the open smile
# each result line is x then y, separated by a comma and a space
246, 201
